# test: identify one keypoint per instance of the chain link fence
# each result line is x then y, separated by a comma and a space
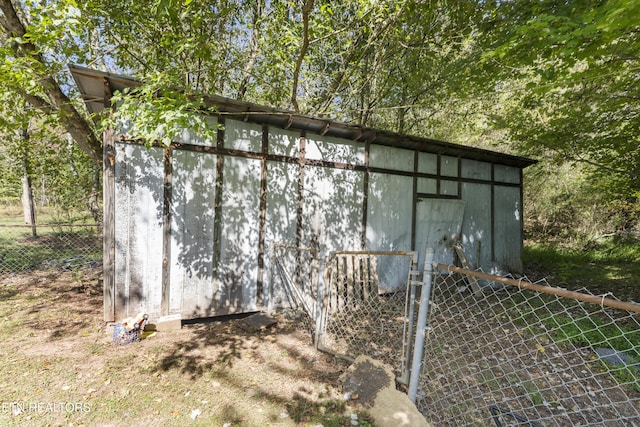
519, 353
59, 246
365, 302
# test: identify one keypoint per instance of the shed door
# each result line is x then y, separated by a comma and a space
438, 226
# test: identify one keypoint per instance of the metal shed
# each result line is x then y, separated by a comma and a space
190, 229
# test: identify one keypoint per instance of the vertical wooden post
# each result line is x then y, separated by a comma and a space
109, 235
263, 216
167, 200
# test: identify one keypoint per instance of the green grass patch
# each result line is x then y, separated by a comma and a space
611, 265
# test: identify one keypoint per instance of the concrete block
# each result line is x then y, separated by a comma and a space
172, 322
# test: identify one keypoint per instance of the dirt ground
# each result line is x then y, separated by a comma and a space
58, 366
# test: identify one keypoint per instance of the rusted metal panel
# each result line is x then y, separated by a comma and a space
138, 229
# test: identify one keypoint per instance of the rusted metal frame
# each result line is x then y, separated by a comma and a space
600, 300
438, 196
521, 240
365, 198
302, 151
263, 216
218, 150
109, 233
460, 176
438, 173
167, 201
414, 207
492, 223
217, 207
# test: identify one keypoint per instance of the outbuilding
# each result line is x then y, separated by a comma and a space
191, 229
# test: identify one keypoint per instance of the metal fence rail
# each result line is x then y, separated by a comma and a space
365, 304
54, 246
520, 353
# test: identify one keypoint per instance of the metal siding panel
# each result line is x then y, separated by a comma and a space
476, 226
438, 226
381, 156
240, 219
282, 202
333, 208
474, 169
283, 142
389, 213
507, 233
507, 174
138, 228
192, 288
448, 166
188, 136
428, 185
242, 136
428, 163
334, 150
390, 209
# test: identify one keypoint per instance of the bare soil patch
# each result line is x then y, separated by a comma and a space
58, 366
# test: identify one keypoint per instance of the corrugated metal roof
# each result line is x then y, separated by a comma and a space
96, 88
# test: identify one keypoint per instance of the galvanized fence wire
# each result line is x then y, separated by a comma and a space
53, 247
364, 306
515, 356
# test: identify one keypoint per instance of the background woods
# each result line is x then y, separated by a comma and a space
554, 80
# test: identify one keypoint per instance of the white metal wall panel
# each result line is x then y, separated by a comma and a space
284, 142
428, 163
334, 150
508, 228
240, 218
438, 226
281, 220
476, 227
138, 229
475, 170
242, 136
188, 136
381, 156
192, 229
389, 212
448, 188
507, 174
428, 185
333, 203
389, 220
448, 166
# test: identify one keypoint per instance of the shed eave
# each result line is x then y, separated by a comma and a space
96, 88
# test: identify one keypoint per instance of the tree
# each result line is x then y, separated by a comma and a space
33, 44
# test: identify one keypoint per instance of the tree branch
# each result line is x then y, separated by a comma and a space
306, 10
77, 126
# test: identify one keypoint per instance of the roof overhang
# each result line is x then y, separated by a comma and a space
97, 87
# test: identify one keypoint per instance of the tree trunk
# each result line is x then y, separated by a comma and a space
28, 206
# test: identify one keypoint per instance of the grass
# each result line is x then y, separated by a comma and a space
61, 238
612, 265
